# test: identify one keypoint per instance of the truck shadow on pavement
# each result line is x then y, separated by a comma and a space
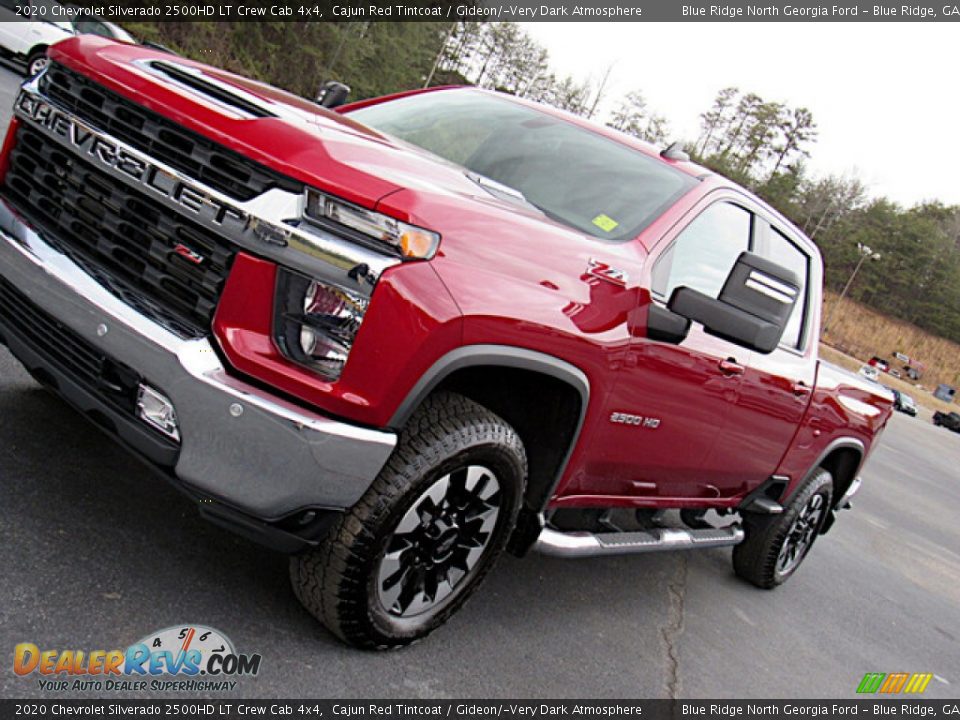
86, 515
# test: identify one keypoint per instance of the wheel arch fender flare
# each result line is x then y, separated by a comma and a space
491, 355
504, 356
840, 484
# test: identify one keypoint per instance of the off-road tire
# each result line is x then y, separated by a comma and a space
338, 582
756, 558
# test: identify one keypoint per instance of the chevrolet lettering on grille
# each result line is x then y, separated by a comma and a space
121, 160
268, 223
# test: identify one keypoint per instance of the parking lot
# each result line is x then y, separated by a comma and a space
96, 552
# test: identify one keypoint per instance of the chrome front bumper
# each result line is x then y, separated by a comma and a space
241, 447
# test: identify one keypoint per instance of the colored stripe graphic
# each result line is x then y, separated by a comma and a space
913, 683
894, 682
918, 683
871, 683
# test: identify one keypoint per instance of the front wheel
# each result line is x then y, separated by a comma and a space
425, 534
37, 63
775, 545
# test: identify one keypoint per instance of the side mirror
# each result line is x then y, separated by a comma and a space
666, 326
332, 94
753, 308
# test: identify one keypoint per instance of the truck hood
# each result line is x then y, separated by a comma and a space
295, 136
333, 153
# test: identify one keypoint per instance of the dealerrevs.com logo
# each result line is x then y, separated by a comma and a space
182, 658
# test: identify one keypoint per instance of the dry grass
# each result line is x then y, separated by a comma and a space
862, 332
857, 333
923, 397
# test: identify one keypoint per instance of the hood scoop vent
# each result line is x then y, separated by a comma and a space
200, 83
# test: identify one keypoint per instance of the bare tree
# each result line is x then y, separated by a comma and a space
824, 201
759, 134
797, 129
716, 118
634, 117
600, 90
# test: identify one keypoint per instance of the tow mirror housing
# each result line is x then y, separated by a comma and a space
332, 94
753, 308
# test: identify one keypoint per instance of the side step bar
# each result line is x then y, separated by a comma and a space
585, 544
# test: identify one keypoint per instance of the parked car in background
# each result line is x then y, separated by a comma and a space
903, 402
879, 363
951, 421
870, 372
945, 392
26, 41
911, 366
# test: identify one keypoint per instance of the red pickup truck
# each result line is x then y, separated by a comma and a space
397, 338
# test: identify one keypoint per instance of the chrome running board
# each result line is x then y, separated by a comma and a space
585, 544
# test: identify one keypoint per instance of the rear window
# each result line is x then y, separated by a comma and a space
573, 175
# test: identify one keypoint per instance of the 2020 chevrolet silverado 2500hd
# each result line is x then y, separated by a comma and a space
395, 339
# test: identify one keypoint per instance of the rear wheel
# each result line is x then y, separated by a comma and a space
425, 534
776, 545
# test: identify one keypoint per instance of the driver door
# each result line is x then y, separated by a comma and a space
683, 393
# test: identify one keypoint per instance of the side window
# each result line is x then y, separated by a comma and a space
784, 252
704, 252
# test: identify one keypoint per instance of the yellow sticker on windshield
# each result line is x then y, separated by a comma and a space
605, 222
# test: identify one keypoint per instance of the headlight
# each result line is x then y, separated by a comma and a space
315, 323
411, 241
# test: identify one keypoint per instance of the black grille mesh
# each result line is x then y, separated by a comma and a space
159, 137
121, 237
49, 336
95, 372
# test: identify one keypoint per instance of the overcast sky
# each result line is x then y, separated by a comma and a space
884, 95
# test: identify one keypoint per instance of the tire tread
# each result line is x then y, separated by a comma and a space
331, 580
755, 559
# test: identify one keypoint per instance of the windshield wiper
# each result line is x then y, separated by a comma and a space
498, 188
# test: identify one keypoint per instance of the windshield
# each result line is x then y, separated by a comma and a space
575, 176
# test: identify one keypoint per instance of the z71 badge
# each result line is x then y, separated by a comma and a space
651, 423
606, 272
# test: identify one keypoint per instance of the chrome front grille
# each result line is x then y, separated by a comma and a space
160, 138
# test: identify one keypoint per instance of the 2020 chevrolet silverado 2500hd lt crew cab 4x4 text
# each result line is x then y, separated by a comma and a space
396, 339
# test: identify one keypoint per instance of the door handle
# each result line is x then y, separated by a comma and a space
731, 367
801, 388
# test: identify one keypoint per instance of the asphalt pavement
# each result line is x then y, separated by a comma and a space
96, 552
